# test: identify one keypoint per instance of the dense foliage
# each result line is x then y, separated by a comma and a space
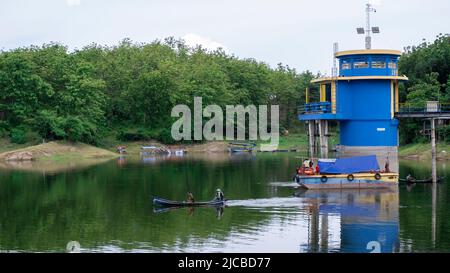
129, 90
428, 69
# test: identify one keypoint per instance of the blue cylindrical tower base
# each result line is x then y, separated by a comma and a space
377, 133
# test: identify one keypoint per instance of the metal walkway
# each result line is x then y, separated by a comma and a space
437, 111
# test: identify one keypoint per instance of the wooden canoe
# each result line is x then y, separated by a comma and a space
425, 181
169, 203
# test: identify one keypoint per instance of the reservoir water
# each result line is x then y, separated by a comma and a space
107, 208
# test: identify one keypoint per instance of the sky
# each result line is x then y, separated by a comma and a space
298, 33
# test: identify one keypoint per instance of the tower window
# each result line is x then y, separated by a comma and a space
361, 64
378, 64
346, 65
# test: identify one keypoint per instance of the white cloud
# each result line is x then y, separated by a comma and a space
73, 3
375, 2
194, 40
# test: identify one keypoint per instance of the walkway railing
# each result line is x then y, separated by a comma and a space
315, 108
424, 108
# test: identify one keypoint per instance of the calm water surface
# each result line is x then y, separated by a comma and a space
108, 208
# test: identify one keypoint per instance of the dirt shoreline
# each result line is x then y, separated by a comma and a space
56, 151
60, 151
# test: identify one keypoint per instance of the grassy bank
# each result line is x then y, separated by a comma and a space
422, 151
299, 142
292, 142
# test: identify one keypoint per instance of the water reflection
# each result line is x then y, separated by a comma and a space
210, 157
359, 217
325, 221
190, 210
50, 166
433, 213
108, 208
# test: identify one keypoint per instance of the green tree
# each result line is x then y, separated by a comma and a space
428, 68
22, 91
427, 89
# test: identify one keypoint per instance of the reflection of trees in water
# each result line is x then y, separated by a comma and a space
425, 209
190, 210
105, 203
49, 166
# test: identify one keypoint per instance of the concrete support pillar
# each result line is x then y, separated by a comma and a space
433, 150
312, 137
316, 141
323, 136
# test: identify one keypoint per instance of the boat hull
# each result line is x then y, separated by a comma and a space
360, 181
170, 203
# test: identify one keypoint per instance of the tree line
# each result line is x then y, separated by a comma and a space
428, 68
127, 91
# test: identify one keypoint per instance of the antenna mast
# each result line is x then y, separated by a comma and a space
334, 71
368, 30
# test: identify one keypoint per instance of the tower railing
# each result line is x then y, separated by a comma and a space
315, 108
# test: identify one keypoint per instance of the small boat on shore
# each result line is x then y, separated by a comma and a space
241, 147
346, 173
169, 203
424, 181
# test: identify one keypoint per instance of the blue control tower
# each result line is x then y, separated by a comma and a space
362, 97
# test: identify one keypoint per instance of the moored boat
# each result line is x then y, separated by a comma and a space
350, 181
347, 173
424, 181
169, 203
241, 147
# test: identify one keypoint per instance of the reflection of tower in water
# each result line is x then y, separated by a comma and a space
350, 221
318, 231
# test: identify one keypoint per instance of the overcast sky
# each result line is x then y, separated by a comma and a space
299, 33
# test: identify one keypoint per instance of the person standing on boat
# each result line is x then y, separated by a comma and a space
298, 172
306, 163
386, 166
312, 169
190, 198
219, 195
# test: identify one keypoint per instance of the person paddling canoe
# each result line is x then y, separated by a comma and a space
410, 178
190, 197
219, 195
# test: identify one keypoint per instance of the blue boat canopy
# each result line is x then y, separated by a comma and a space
360, 164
